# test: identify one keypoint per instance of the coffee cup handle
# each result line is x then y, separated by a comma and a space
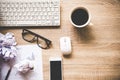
90, 24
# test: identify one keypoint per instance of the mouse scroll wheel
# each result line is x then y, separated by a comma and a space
64, 40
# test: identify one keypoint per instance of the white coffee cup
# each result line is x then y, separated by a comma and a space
80, 17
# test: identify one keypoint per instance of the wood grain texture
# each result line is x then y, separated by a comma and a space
96, 48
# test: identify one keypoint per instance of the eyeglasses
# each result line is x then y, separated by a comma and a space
31, 37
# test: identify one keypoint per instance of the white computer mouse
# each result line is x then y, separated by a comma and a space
65, 45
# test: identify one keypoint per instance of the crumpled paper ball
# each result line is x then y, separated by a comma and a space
24, 65
8, 53
8, 39
8, 44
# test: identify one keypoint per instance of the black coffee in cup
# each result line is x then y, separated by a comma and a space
79, 16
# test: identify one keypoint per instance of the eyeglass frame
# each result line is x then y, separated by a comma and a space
47, 41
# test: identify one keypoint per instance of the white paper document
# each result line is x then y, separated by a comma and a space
28, 52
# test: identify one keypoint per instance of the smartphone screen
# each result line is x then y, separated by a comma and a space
55, 70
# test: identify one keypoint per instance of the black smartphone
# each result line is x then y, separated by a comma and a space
56, 69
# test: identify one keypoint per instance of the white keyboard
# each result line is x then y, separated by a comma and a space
29, 13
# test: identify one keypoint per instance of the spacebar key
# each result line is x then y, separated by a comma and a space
26, 23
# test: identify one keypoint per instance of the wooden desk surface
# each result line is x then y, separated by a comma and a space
96, 48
